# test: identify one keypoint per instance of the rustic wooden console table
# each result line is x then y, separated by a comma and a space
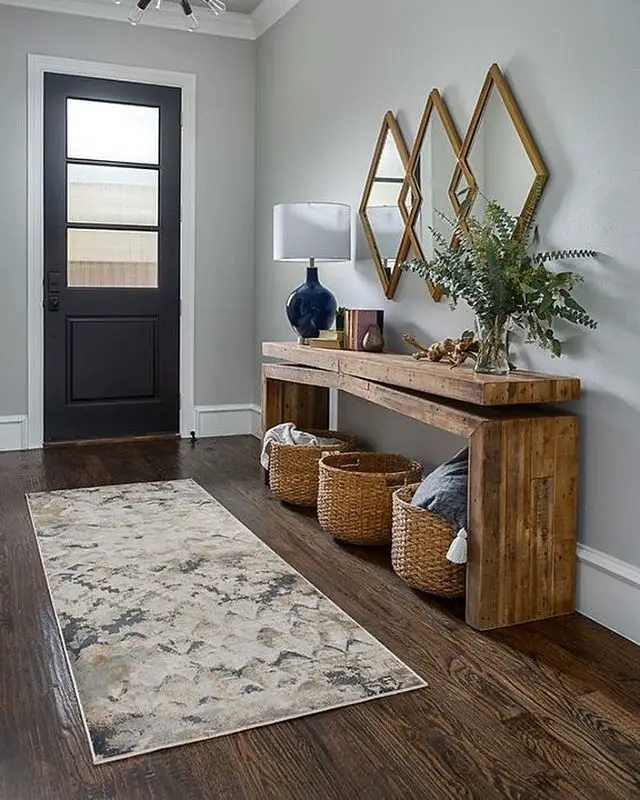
523, 461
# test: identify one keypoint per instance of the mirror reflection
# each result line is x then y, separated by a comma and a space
499, 161
432, 172
389, 175
427, 187
383, 219
387, 226
501, 154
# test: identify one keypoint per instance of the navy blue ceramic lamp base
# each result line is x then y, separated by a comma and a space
311, 307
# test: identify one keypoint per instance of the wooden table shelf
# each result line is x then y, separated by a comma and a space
461, 383
523, 461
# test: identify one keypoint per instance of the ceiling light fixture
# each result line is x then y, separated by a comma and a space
191, 21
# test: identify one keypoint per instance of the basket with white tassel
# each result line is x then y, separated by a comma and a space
426, 551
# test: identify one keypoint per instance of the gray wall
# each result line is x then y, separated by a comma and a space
225, 70
326, 74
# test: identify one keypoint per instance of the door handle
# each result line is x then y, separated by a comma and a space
53, 291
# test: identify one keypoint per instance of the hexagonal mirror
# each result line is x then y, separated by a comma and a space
500, 154
425, 192
383, 220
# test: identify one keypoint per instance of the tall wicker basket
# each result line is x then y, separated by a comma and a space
419, 548
354, 499
293, 469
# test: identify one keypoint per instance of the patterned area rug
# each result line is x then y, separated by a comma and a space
181, 625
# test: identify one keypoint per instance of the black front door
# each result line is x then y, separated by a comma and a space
112, 258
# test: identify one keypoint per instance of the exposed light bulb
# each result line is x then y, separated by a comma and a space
191, 22
217, 6
138, 11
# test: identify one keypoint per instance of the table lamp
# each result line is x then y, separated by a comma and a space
311, 232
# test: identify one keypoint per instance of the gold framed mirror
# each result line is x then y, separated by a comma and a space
426, 189
501, 155
384, 221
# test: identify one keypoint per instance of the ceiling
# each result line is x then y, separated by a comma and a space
243, 6
233, 6
246, 19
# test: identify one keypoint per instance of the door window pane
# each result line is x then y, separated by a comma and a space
112, 132
124, 259
111, 195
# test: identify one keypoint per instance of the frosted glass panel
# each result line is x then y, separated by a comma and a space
112, 132
123, 259
112, 196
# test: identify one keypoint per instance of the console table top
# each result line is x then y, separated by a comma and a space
460, 383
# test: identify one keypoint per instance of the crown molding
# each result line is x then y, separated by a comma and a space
236, 26
268, 13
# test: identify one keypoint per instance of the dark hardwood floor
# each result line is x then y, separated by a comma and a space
546, 710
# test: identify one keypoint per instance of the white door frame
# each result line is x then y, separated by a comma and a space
38, 65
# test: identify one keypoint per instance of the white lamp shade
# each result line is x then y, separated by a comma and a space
388, 227
302, 231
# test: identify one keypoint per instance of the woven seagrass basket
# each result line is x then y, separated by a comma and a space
354, 499
293, 469
420, 541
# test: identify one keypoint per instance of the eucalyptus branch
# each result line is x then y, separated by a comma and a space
491, 264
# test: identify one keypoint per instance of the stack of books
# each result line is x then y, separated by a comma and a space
356, 323
331, 340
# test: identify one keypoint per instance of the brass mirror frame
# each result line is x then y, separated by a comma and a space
389, 125
435, 102
496, 80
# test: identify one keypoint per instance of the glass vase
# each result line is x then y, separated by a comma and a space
493, 355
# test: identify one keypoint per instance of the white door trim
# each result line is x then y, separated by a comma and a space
38, 65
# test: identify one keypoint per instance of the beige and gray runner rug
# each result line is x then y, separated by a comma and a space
181, 625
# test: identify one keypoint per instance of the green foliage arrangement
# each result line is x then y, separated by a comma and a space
493, 266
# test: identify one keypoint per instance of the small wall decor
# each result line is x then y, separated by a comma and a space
500, 154
382, 216
426, 187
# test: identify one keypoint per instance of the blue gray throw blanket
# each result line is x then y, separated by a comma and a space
444, 492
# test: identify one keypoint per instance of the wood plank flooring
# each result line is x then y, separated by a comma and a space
545, 710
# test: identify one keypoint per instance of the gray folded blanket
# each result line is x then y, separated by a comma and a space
287, 433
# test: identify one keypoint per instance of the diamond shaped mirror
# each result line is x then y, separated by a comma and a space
500, 154
426, 190
382, 217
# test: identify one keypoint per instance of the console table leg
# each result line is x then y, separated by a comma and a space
523, 477
304, 405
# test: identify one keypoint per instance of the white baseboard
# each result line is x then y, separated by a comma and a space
609, 592
256, 421
229, 420
13, 433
